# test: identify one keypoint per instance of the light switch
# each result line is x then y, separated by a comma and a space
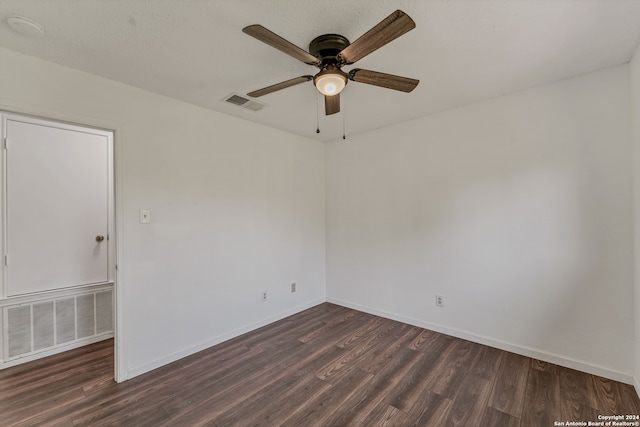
145, 216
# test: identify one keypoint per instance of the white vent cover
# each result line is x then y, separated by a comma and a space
43, 325
244, 102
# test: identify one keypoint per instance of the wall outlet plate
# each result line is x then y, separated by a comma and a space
145, 216
264, 296
439, 301
293, 287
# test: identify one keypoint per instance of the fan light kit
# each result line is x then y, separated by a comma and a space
330, 52
330, 82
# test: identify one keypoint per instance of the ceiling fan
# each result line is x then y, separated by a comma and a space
330, 52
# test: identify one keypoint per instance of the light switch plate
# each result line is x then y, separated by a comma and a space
145, 216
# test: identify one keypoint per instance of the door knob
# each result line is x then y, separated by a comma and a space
99, 238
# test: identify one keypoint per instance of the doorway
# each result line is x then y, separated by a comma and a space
58, 237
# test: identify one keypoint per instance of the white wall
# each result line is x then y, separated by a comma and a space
517, 210
635, 134
237, 209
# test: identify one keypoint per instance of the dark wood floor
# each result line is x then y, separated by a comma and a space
327, 366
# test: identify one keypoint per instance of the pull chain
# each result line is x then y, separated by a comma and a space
343, 120
317, 112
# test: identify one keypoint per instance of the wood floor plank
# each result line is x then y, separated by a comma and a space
627, 400
326, 366
298, 376
163, 385
59, 362
539, 365
217, 400
407, 392
108, 396
38, 378
389, 416
486, 362
433, 410
314, 412
383, 354
44, 422
470, 402
362, 333
423, 339
451, 369
280, 407
42, 387
324, 315
511, 381
356, 409
356, 353
262, 396
46, 392
342, 323
25, 411
494, 418
541, 399
607, 394
576, 387
568, 410
214, 393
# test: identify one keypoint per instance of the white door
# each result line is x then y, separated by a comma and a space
57, 204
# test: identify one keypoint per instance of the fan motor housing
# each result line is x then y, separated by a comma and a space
327, 46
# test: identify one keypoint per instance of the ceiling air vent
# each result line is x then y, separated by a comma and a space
243, 102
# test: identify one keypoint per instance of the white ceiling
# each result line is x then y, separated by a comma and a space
462, 51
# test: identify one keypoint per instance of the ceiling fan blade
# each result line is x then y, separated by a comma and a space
278, 86
272, 39
389, 29
331, 104
389, 81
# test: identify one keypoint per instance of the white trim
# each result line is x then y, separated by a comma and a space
502, 345
3, 207
120, 362
55, 294
636, 384
139, 370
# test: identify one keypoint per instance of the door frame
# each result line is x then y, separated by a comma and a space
116, 186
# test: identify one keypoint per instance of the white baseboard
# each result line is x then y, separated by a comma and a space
56, 350
636, 384
557, 359
139, 370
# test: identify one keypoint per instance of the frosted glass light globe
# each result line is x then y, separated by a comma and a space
330, 84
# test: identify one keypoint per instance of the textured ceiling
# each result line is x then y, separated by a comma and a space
462, 51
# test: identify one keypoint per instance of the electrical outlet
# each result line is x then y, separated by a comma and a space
145, 216
293, 287
264, 296
439, 301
